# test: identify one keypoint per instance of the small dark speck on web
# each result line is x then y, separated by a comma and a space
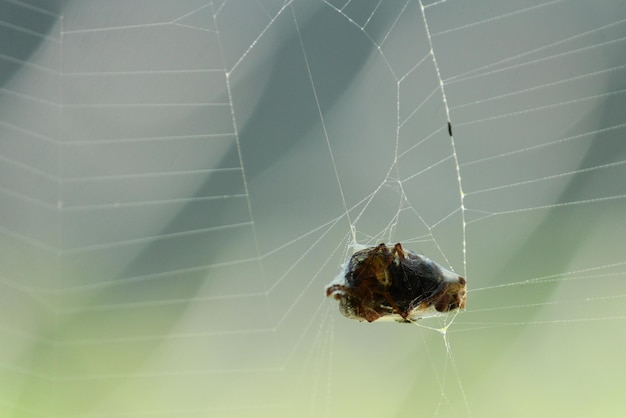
450, 128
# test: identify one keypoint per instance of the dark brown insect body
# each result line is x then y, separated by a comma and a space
389, 282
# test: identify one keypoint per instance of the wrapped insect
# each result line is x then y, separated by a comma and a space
391, 283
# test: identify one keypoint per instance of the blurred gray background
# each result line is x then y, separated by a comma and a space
179, 180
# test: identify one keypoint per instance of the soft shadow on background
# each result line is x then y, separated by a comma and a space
180, 180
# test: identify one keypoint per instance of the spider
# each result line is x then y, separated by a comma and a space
391, 283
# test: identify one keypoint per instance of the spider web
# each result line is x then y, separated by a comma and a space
180, 180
